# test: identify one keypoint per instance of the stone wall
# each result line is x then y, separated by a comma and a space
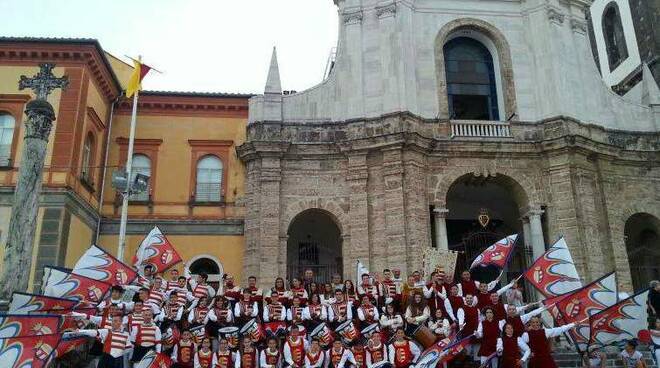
377, 178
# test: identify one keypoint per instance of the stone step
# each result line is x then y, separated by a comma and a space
570, 359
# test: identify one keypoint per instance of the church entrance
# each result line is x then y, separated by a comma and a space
643, 247
483, 210
314, 242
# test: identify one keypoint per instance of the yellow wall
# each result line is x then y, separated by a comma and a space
227, 248
80, 238
172, 185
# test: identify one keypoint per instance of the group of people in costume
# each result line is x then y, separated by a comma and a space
383, 321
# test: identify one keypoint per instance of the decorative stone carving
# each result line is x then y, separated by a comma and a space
353, 17
386, 10
579, 26
555, 16
23, 221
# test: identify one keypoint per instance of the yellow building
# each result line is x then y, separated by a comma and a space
185, 142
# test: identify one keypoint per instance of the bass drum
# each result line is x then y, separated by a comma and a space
424, 336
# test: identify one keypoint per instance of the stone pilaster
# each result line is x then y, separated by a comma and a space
394, 209
271, 261
417, 219
358, 246
440, 223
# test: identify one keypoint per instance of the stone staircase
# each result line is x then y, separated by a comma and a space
566, 358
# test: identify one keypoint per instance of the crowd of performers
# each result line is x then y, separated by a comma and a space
383, 321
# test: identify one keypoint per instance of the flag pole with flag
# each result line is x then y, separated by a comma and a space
132, 90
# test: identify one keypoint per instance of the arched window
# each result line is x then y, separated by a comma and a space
7, 123
87, 159
209, 179
615, 40
471, 84
141, 165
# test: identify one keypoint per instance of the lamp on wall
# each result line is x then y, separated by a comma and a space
121, 183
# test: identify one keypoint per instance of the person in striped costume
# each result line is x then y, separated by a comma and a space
200, 288
145, 337
204, 355
115, 342
314, 356
271, 357
183, 351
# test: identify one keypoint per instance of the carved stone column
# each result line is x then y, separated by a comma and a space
440, 222
17, 261
536, 232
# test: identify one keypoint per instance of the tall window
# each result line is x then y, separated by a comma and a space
615, 40
471, 86
7, 123
209, 179
141, 165
87, 159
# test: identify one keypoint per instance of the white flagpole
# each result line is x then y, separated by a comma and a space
129, 164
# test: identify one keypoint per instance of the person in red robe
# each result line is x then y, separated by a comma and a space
537, 338
402, 353
488, 331
509, 348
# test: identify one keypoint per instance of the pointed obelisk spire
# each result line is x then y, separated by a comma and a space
273, 83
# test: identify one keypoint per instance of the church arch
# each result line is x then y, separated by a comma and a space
642, 239
481, 210
488, 35
314, 241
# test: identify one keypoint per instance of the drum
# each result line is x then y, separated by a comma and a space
231, 335
370, 330
253, 330
424, 336
323, 333
347, 331
198, 332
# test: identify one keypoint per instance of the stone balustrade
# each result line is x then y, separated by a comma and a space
480, 129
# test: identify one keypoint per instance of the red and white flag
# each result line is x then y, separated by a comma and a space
497, 254
157, 251
554, 273
581, 304
27, 351
620, 322
62, 283
69, 344
24, 303
100, 265
154, 360
450, 352
18, 325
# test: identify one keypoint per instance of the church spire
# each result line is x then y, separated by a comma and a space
273, 84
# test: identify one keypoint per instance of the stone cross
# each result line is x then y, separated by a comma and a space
43, 82
17, 261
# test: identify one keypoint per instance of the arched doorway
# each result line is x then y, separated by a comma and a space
482, 210
209, 265
643, 248
314, 242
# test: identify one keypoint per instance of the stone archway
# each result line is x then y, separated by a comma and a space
642, 239
314, 241
503, 57
504, 201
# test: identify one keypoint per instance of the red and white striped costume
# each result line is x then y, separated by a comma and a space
146, 336
115, 343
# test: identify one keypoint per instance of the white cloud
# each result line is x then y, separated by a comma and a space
200, 45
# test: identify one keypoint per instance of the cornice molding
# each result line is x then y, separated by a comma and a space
33, 54
186, 106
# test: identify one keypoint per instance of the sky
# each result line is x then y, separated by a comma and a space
199, 45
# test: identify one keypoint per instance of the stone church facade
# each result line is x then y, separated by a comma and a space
435, 112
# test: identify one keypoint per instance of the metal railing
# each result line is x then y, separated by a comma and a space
480, 129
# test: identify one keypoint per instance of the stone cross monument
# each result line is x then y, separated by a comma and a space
22, 224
